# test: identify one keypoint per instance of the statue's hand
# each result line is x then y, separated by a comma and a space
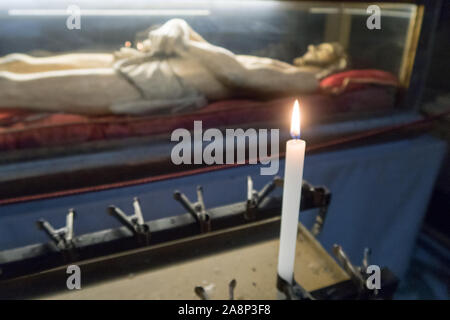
126, 53
169, 38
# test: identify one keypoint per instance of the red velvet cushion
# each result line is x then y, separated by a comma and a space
19, 129
357, 79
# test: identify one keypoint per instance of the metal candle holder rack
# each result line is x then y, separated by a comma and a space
64, 248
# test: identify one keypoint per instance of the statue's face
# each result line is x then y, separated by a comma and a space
320, 54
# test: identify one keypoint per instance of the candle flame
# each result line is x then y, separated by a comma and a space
295, 121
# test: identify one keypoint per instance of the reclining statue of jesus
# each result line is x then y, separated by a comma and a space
174, 69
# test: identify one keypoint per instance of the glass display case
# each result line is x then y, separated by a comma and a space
276, 29
360, 73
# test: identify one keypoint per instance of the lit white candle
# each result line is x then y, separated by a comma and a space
292, 190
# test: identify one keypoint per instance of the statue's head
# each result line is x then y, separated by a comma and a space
323, 54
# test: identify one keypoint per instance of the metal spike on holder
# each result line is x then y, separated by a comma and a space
294, 291
358, 274
201, 293
135, 222
196, 209
352, 271
62, 237
366, 258
231, 287
321, 197
254, 197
